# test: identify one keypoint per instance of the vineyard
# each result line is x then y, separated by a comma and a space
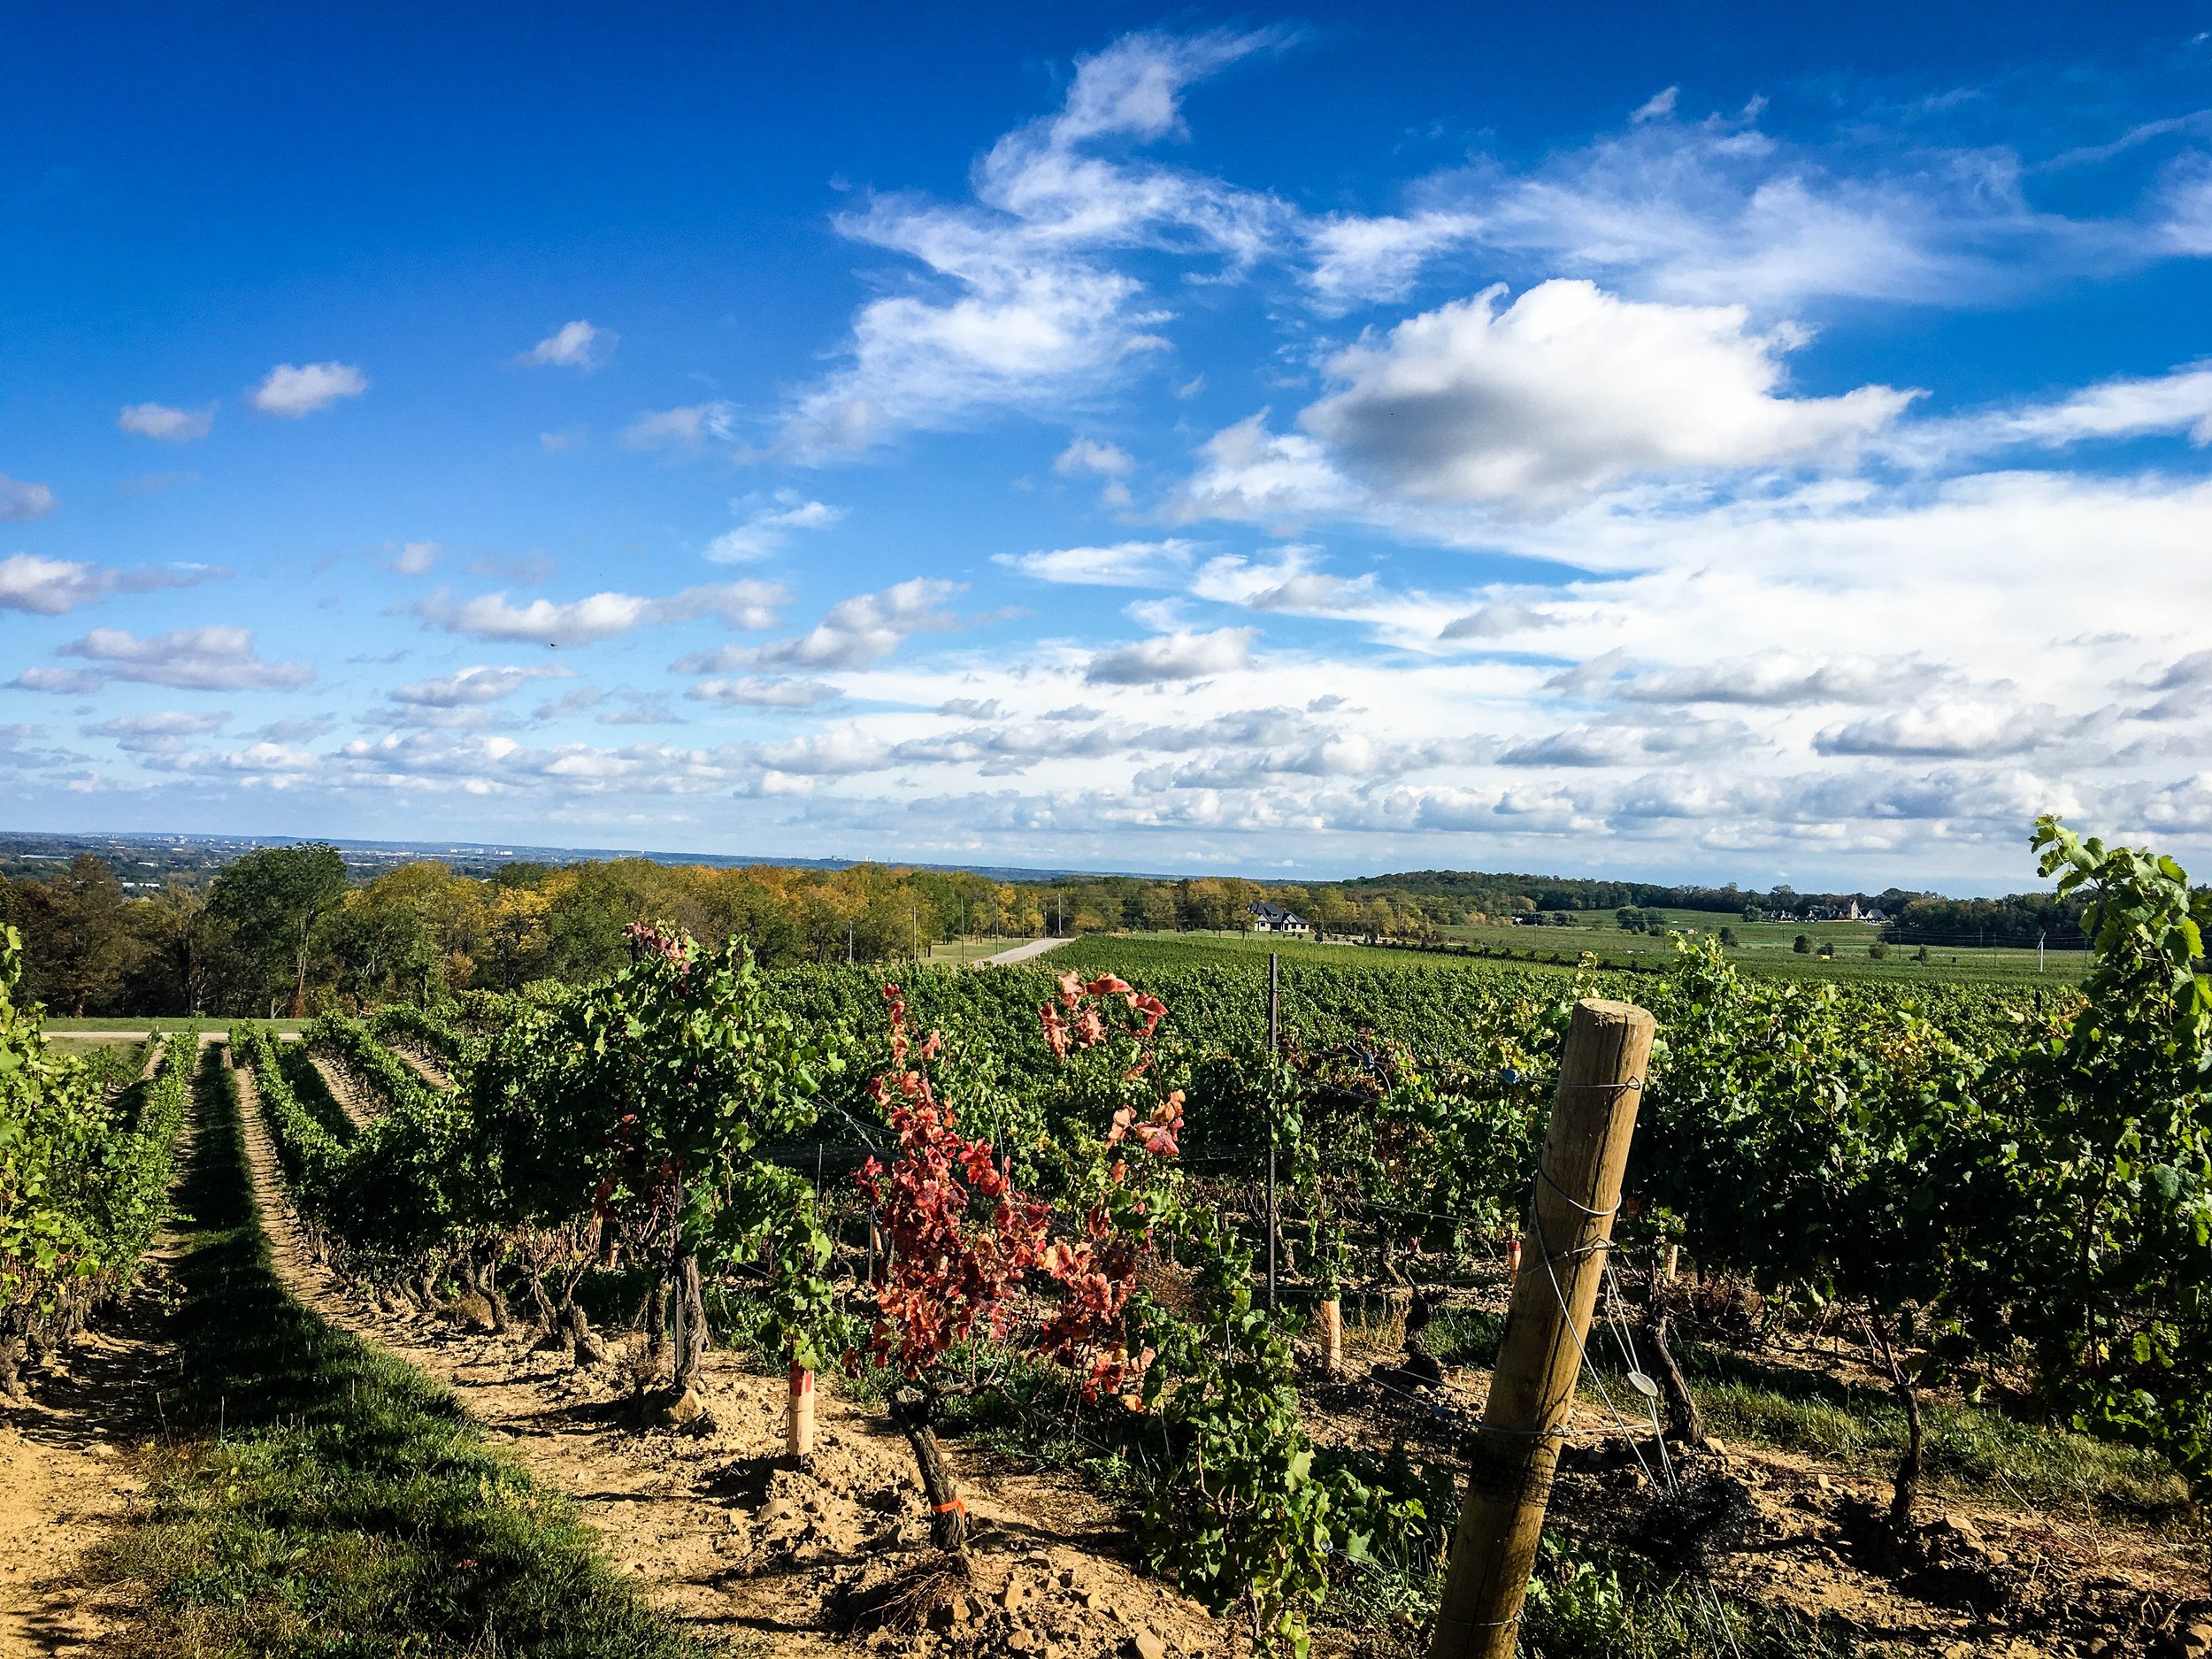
1134, 1303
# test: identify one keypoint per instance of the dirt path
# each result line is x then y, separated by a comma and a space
1020, 953
724, 1532
362, 1106
426, 1065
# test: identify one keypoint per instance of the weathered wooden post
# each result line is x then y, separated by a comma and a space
1509, 1477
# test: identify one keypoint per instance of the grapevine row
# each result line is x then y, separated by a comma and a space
85, 1173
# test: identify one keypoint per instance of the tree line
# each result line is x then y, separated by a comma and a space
285, 931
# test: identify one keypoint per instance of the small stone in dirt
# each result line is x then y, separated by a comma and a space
686, 1407
1143, 1644
1018, 1590
2196, 1641
1019, 1639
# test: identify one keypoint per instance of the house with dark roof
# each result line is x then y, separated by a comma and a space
1273, 918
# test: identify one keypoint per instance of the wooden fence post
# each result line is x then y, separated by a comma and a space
1510, 1475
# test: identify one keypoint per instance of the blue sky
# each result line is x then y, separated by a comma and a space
1685, 440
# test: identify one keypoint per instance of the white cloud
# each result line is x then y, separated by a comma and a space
1358, 260
601, 616
1023, 308
767, 528
1089, 455
415, 558
576, 345
1173, 656
470, 688
1776, 679
1658, 104
162, 733
861, 631
166, 425
1498, 619
49, 587
1717, 210
2177, 402
772, 692
219, 658
1249, 472
1570, 390
681, 429
20, 502
1124, 565
292, 390
1945, 730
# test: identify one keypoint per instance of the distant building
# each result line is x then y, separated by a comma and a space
1273, 918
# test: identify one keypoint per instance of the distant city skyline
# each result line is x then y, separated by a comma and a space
1679, 444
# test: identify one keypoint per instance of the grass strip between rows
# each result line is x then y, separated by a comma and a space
316, 1496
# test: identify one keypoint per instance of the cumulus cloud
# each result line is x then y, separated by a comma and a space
1247, 472
1778, 679
415, 558
858, 631
49, 587
576, 345
470, 688
1498, 619
602, 616
1173, 656
1569, 390
166, 425
765, 692
1945, 730
20, 502
291, 390
219, 658
1089, 455
162, 733
1628, 745
1123, 564
767, 527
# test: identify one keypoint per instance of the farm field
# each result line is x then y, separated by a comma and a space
1556, 947
961, 1314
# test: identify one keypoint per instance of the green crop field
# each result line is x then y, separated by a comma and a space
1765, 948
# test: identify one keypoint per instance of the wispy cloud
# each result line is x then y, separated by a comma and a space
768, 525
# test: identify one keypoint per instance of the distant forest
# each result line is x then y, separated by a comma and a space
276, 929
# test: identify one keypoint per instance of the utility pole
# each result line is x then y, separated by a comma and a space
2038, 952
1516, 1451
849, 946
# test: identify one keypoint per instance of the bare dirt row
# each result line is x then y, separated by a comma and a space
724, 1532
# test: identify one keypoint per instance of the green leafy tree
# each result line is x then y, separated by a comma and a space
274, 901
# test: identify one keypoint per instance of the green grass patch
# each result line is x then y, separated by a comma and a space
1968, 1449
319, 1497
164, 1022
